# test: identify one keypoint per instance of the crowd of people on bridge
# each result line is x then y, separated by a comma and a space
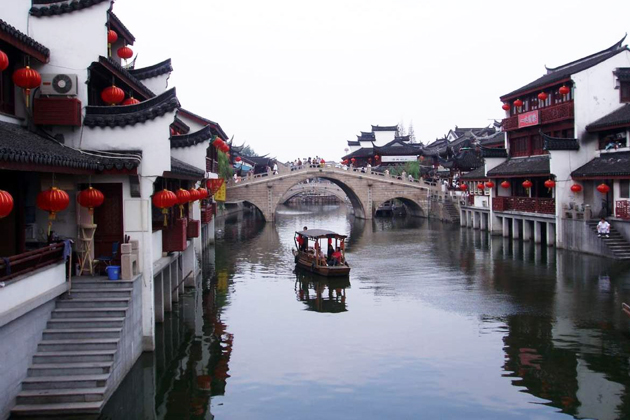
298, 163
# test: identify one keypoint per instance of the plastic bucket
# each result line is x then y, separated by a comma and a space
113, 272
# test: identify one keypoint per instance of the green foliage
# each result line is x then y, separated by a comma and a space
225, 170
412, 168
248, 151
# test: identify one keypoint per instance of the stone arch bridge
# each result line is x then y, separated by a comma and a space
365, 190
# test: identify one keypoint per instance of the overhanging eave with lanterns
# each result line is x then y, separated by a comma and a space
23, 42
111, 72
522, 167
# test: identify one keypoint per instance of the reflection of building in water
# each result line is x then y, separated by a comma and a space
321, 294
583, 380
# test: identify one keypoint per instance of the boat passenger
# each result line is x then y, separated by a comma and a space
337, 258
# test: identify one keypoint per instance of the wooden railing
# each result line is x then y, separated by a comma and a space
524, 204
563, 111
17, 265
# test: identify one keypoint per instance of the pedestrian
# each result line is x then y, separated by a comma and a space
603, 228
275, 168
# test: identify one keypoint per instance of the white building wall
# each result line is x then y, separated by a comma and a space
15, 13
193, 155
384, 137
157, 85
193, 124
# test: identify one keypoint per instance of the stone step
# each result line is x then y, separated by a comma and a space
74, 333
55, 396
64, 382
89, 283
55, 323
93, 302
67, 369
100, 312
77, 356
93, 407
78, 344
102, 292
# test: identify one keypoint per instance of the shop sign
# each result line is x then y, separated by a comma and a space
527, 119
398, 158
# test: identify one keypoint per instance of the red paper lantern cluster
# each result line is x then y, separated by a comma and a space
194, 195
112, 95
90, 198
576, 188
564, 90
603, 188
125, 52
490, 184
4, 61
221, 145
506, 106
203, 193
543, 96
6, 204
505, 184
27, 79
164, 200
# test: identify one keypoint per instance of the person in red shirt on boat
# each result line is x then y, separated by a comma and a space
337, 258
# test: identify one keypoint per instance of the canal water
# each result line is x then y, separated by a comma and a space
434, 322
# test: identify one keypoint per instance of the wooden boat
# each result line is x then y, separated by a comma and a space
309, 252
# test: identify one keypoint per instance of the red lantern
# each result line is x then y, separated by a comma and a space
550, 183
490, 184
603, 188
6, 204
4, 61
27, 79
112, 36
214, 185
377, 157
203, 193
131, 101
90, 198
53, 201
237, 159
125, 52
112, 95
564, 90
542, 96
183, 197
463, 187
164, 200
194, 195
506, 106
353, 160
480, 186
576, 188
527, 184
518, 103
218, 143
505, 184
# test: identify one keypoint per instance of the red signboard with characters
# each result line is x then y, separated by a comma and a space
528, 119
214, 185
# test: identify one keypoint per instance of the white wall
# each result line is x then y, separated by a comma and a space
157, 85
384, 137
15, 13
33, 285
157, 245
192, 155
193, 124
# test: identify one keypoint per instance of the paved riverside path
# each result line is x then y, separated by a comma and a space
366, 190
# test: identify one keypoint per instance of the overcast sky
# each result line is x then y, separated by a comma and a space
293, 78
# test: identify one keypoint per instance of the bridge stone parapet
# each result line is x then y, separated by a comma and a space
366, 190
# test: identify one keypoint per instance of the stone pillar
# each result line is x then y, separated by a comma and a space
551, 234
168, 289
515, 228
159, 301
537, 231
145, 265
496, 225
484, 221
175, 286
475, 219
506, 227
462, 218
527, 230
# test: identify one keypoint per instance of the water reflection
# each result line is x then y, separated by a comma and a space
445, 323
321, 294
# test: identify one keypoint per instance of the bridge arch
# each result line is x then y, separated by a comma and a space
364, 190
316, 187
413, 208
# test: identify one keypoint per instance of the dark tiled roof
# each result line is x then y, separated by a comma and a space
42, 8
493, 152
478, 174
477, 131
23, 42
467, 160
623, 74
179, 167
120, 116
353, 143
19, 145
397, 147
555, 143
191, 139
533, 165
260, 160
497, 138
384, 128
565, 71
126, 76
181, 125
217, 130
152, 71
608, 164
619, 117
402, 138
116, 24
366, 136
438, 147
363, 152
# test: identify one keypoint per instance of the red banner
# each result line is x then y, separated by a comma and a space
214, 185
528, 119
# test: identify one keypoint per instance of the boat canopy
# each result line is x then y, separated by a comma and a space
320, 233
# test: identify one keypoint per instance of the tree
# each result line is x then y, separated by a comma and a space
400, 129
412, 134
248, 151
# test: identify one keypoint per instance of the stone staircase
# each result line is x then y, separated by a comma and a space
75, 358
451, 213
619, 247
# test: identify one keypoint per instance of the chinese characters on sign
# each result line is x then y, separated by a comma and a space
398, 158
528, 119
220, 195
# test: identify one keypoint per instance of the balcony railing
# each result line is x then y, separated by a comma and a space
30, 261
550, 114
524, 204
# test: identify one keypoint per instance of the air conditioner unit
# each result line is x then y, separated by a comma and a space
59, 84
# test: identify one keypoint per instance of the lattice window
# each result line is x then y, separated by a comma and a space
624, 92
